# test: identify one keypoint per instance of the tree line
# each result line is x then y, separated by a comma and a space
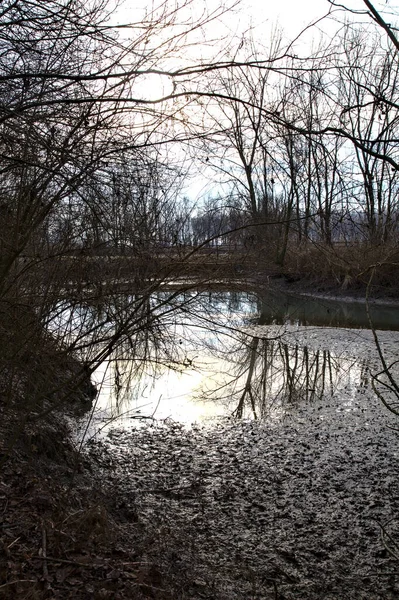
300, 146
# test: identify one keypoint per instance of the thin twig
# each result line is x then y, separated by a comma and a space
385, 534
91, 565
376, 340
44, 553
67, 562
18, 581
12, 543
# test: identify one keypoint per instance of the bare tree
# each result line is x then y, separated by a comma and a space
79, 171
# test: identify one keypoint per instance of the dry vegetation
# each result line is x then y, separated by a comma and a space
94, 229
345, 268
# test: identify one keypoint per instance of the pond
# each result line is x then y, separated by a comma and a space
256, 507
245, 355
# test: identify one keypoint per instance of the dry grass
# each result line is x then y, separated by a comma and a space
346, 267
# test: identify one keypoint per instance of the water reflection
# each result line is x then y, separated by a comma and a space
203, 362
280, 308
271, 376
154, 376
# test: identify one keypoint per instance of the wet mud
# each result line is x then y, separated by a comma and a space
307, 507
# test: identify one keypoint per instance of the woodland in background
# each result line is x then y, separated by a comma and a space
300, 151
106, 128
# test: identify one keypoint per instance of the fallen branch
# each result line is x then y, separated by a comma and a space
68, 562
18, 581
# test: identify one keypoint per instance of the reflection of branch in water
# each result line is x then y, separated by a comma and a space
262, 376
364, 374
178, 327
277, 375
248, 384
390, 382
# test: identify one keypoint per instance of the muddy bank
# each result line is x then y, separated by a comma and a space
319, 288
59, 537
380, 296
249, 510
292, 508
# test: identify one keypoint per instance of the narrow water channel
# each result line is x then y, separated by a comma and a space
287, 501
236, 354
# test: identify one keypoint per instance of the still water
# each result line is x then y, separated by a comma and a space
243, 355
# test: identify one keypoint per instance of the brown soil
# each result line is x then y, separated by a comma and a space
60, 536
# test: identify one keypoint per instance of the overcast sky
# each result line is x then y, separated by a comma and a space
292, 16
